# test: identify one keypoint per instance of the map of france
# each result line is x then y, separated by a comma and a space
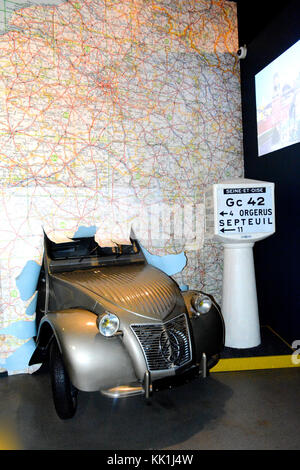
111, 112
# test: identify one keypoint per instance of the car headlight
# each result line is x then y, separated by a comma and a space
201, 303
108, 324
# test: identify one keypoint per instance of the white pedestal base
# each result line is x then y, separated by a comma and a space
239, 299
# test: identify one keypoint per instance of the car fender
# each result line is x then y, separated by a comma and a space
92, 361
208, 329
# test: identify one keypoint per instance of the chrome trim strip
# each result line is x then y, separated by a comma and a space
123, 391
204, 365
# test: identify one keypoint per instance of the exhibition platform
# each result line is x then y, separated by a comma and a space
273, 352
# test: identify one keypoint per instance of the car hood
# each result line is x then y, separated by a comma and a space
140, 289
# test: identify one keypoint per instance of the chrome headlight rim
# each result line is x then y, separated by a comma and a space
201, 303
108, 324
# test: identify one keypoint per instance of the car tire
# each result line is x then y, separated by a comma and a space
63, 392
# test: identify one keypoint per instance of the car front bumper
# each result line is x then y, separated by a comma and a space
149, 386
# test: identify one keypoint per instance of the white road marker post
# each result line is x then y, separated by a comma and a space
238, 213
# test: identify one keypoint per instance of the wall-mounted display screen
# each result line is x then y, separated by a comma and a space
277, 90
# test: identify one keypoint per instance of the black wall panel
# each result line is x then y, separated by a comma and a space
277, 259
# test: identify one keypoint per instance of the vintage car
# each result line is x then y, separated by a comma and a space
108, 321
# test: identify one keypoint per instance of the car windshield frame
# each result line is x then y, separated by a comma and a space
85, 252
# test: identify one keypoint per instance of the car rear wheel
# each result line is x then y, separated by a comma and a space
64, 393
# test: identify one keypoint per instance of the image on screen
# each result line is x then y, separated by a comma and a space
277, 90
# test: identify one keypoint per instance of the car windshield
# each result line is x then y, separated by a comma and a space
87, 247
80, 253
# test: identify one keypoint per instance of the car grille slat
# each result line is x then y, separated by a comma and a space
165, 345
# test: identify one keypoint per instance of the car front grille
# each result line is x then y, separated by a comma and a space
165, 345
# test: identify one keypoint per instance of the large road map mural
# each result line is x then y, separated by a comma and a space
114, 115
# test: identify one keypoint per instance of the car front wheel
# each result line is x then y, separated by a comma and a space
64, 393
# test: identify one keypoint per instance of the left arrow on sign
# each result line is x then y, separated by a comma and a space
227, 230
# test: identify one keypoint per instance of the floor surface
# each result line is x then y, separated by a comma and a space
227, 411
